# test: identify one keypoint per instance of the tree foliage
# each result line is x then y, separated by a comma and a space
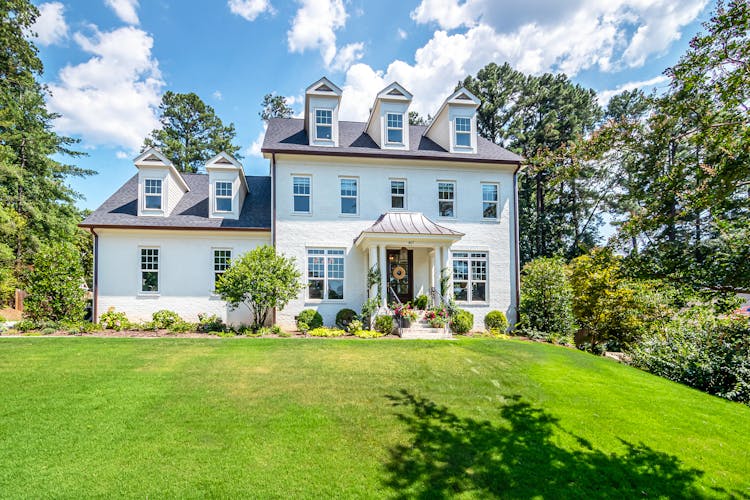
275, 106
547, 301
191, 133
55, 285
262, 280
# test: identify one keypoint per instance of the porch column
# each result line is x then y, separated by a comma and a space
373, 261
383, 277
448, 264
436, 271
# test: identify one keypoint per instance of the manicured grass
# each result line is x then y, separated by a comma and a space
83, 417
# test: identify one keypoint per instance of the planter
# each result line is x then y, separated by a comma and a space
404, 322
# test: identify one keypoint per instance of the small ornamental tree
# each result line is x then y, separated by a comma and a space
546, 301
262, 280
55, 285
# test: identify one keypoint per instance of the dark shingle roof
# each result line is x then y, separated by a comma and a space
121, 209
287, 135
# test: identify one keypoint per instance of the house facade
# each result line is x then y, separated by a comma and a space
431, 209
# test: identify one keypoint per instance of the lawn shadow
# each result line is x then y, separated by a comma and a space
520, 457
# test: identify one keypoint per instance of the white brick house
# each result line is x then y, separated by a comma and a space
341, 197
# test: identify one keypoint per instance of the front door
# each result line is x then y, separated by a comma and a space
400, 269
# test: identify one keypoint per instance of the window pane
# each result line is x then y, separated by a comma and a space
153, 202
152, 186
323, 131
223, 204
445, 208
398, 187
463, 125
336, 289
459, 290
149, 281
478, 270
463, 139
478, 292
395, 135
150, 259
460, 270
301, 203
316, 267
336, 267
315, 289
395, 120
301, 185
489, 192
323, 116
445, 190
348, 205
222, 259
348, 187
489, 210
223, 189
397, 202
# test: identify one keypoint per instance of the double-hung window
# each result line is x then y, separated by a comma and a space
324, 124
325, 274
301, 191
149, 270
223, 196
394, 128
222, 259
489, 201
470, 276
398, 194
152, 193
446, 199
348, 195
463, 132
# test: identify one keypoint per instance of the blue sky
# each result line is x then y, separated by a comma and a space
107, 62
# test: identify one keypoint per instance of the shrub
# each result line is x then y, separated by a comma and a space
303, 327
546, 299
2, 319
326, 332
210, 323
384, 324
462, 321
367, 334
112, 320
344, 317
311, 318
181, 327
24, 325
164, 319
270, 330
496, 320
421, 302
55, 285
262, 280
49, 331
369, 308
354, 327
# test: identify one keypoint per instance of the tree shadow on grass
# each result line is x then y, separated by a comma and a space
520, 458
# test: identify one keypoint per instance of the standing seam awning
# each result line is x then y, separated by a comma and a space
405, 224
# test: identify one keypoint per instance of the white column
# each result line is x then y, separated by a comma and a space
448, 266
436, 270
383, 277
373, 261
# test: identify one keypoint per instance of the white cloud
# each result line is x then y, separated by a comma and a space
534, 36
250, 9
218, 95
112, 98
605, 95
122, 155
254, 149
126, 10
50, 26
402, 34
314, 27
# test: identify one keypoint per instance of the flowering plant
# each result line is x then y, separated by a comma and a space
436, 313
404, 311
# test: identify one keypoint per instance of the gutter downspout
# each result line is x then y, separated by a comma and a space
517, 260
273, 215
95, 301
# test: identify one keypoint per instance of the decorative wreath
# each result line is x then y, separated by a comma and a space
399, 272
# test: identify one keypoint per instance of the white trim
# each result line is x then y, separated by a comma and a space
325, 278
496, 202
405, 208
470, 280
161, 208
309, 196
388, 128
356, 198
139, 285
315, 124
224, 197
468, 133
213, 265
455, 198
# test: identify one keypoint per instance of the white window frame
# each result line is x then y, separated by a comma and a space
325, 253
456, 132
355, 197
330, 125
489, 202
455, 189
403, 196
215, 271
142, 269
146, 194
388, 128
229, 197
471, 256
308, 195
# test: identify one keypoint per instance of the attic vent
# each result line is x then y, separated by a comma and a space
463, 96
152, 158
324, 88
223, 161
395, 92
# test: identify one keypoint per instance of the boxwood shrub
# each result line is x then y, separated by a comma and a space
311, 318
344, 317
462, 321
496, 320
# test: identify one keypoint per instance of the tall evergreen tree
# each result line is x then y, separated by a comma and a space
191, 133
274, 106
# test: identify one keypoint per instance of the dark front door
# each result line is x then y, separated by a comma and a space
400, 274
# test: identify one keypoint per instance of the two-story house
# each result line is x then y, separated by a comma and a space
434, 208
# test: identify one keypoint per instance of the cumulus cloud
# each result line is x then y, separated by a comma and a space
314, 27
250, 9
402, 34
534, 36
112, 98
126, 10
605, 95
50, 26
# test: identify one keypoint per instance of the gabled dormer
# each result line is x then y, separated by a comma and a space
160, 185
322, 102
227, 187
455, 124
388, 124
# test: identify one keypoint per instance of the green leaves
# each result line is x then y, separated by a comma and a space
274, 106
55, 285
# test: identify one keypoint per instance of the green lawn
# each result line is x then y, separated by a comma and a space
291, 418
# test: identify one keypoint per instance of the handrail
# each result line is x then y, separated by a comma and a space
395, 295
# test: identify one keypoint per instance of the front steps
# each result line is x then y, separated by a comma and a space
422, 330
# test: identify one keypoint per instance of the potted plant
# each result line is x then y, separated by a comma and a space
405, 314
437, 317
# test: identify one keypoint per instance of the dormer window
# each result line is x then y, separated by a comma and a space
223, 196
324, 124
463, 132
152, 194
395, 128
